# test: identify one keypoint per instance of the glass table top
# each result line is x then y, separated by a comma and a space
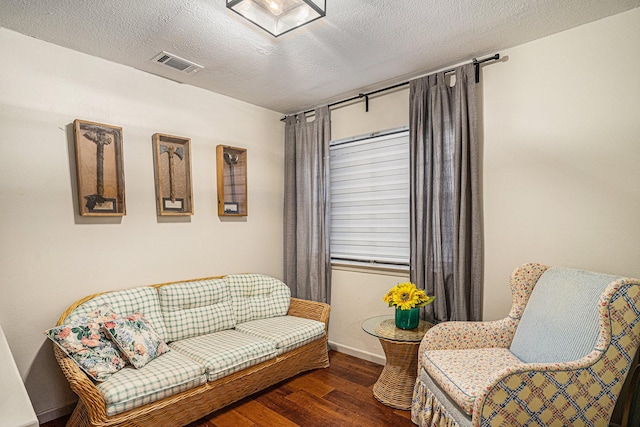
385, 327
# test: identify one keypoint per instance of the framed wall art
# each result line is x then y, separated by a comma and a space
172, 168
231, 166
99, 169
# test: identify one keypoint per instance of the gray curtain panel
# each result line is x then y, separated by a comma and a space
446, 229
307, 263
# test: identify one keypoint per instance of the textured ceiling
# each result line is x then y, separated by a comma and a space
359, 46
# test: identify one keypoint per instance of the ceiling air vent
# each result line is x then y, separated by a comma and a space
177, 63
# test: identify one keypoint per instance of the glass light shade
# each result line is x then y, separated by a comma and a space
279, 16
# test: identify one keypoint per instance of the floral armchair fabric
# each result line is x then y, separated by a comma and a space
559, 358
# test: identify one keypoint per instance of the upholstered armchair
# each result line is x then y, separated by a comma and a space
559, 358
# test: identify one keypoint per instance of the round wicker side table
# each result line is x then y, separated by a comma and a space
394, 387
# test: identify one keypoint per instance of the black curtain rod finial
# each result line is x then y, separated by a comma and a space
477, 63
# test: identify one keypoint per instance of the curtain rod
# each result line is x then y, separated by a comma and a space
475, 62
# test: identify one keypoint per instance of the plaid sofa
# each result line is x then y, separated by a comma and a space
224, 337
560, 358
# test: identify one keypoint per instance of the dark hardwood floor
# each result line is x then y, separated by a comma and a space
340, 395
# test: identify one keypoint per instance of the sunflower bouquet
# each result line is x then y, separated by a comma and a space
406, 296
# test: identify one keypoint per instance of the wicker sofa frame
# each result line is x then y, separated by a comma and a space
183, 408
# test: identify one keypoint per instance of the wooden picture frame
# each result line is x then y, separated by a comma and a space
99, 169
231, 167
172, 170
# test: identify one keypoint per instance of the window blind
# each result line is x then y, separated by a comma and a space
369, 178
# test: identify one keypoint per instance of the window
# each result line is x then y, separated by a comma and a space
370, 199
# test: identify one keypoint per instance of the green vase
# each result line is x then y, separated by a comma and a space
407, 319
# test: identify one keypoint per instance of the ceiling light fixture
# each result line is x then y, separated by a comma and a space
279, 16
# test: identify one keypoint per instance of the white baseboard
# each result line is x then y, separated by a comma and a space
355, 352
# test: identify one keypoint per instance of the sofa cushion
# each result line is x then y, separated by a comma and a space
225, 352
256, 296
560, 322
162, 377
126, 302
286, 332
84, 341
136, 339
463, 373
196, 308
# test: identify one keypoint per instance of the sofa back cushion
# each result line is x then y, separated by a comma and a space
125, 303
196, 308
561, 322
256, 296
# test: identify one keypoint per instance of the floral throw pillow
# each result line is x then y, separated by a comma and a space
86, 344
136, 338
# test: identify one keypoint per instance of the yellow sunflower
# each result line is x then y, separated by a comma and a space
407, 296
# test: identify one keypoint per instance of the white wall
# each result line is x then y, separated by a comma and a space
562, 155
49, 257
561, 167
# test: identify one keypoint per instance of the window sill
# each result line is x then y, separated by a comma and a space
400, 271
